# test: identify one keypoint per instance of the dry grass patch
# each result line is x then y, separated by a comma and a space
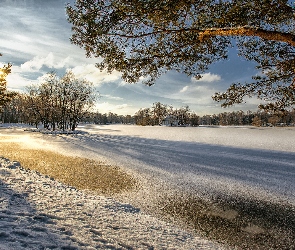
79, 172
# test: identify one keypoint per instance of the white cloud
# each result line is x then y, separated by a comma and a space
113, 97
199, 95
140, 81
184, 89
93, 74
123, 83
17, 81
50, 61
207, 77
104, 107
122, 106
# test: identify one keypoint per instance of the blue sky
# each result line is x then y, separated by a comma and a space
35, 36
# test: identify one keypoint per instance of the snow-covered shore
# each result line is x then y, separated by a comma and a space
37, 212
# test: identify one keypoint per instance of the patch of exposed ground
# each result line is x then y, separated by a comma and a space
78, 172
237, 222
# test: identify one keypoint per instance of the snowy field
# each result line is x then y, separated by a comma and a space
257, 162
248, 162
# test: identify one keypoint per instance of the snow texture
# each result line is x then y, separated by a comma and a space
37, 212
248, 161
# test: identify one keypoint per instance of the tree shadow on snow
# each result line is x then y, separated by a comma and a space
238, 181
191, 163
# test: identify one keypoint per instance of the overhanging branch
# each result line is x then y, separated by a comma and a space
228, 31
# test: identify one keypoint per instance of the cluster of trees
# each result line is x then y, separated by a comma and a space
57, 103
161, 114
259, 118
39, 106
158, 114
107, 118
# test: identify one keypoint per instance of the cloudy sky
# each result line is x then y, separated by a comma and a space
35, 36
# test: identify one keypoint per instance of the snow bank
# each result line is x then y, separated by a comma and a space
40, 213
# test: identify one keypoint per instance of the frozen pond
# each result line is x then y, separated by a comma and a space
245, 160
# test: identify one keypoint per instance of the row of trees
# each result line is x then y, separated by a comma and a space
157, 115
161, 114
57, 103
259, 118
21, 110
107, 118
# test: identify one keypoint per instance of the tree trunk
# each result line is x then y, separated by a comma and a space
249, 31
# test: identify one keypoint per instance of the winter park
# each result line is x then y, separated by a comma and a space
147, 124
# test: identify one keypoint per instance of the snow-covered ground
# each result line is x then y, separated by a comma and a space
234, 161
39, 213
255, 162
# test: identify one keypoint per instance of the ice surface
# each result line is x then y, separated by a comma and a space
257, 162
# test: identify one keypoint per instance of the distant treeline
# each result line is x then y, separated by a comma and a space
259, 118
162, 114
